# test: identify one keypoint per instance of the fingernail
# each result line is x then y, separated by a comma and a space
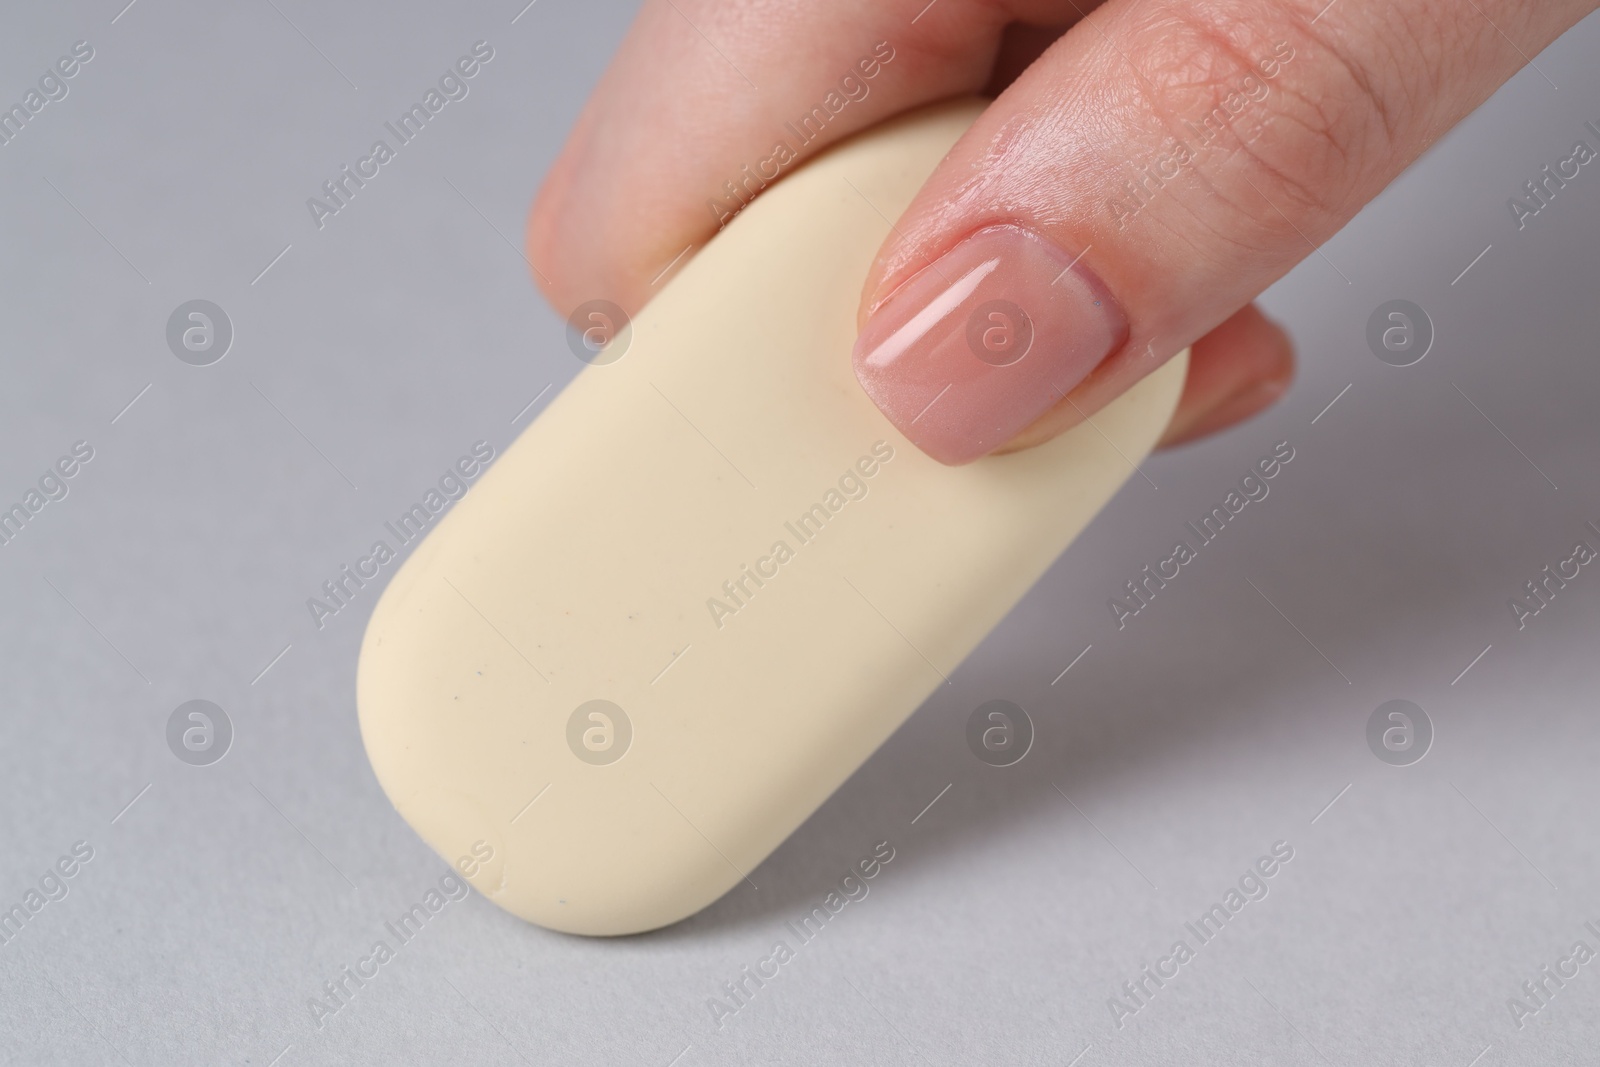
985, 340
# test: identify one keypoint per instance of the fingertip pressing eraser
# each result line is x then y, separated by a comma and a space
711, 577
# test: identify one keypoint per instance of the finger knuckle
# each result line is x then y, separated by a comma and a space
1223, 79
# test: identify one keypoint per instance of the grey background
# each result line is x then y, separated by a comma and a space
388, 342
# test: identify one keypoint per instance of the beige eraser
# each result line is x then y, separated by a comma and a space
711, 578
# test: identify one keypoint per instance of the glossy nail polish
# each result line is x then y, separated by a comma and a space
985, 340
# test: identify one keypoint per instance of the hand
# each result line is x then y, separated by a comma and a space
1146, 170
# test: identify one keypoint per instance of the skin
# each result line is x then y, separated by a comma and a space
1084, 93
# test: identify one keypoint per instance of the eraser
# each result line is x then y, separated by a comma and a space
711, 578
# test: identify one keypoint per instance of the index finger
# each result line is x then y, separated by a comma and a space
707, 103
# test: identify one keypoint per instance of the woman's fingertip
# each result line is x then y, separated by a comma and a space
1250, 399
986, 339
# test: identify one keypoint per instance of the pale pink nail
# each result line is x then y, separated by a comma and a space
985, 340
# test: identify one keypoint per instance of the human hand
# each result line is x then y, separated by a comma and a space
1146, 170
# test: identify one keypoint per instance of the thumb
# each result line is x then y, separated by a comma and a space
1147, 176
